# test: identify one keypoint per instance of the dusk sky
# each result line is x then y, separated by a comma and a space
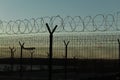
21, 9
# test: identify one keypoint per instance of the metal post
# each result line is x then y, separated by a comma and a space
66, 49
119, 48
31, 60
12, 56
119, 56
50, 49
21, 49
29, 49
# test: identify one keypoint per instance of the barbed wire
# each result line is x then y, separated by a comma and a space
99, 22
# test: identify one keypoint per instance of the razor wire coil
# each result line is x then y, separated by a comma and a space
99, 22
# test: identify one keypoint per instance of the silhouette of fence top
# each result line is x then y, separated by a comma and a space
66, 43
48, 27
99, 22
21, 44
81, 45
12, 49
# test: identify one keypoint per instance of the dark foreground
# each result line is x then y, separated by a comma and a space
77, 69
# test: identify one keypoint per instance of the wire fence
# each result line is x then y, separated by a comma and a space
81, 45
74, 38
91, 55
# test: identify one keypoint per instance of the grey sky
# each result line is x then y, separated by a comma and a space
20, 9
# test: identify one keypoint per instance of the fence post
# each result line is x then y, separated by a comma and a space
21, 62
12, 50
31, 52
21, 53
119, 57
66, 49
50, 49
119, 48
31, 59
